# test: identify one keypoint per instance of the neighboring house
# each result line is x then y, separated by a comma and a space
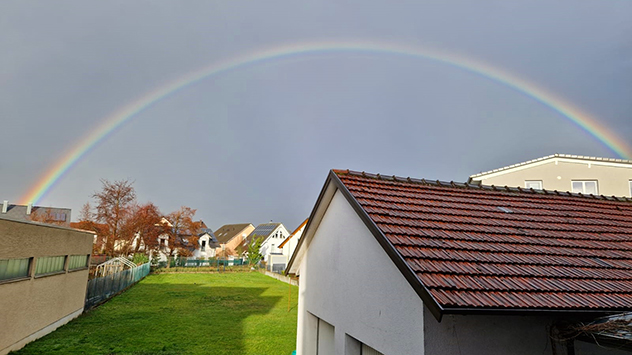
48, 215
586, 175
43, 279
207, 244
230, 237
165, 249
272, 235
391, 265
289, 244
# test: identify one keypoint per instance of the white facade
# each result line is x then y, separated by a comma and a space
204, 249
348, 281
289, 245
270, 247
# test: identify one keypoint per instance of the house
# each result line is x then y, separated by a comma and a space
49, 215
272, 235
289, 244
586, 175
43, 279
391, 265
230, 237
207, 244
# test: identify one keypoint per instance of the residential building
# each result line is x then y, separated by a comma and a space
272, 235
561, 172
43, 279
49, 215
391, 265
207, 245
230, 237
289, 244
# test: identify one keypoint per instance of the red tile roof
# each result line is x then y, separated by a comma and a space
481, 247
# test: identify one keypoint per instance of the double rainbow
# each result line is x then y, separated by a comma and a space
118, 118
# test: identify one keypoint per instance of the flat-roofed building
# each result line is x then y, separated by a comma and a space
43, 279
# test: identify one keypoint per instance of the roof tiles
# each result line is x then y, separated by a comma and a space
542, 250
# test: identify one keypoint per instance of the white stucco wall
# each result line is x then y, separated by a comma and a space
348, 280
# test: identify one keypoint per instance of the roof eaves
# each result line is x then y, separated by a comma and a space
425, 295
529, 311
310, 220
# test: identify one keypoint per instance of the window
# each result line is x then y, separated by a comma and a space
533, 184
585, 187
325, 338
355, 347
49, 264
203, 248
14, 268
77, 262
319, 336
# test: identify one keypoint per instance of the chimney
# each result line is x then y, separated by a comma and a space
29, 207
5, 206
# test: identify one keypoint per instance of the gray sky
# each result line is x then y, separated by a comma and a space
255, 144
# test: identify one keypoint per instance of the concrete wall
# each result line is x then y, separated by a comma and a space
498, 335
557, 174
347, 280
487, 335
35, 306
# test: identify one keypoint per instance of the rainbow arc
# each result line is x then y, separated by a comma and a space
119, 117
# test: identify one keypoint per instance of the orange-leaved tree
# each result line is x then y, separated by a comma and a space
182, 232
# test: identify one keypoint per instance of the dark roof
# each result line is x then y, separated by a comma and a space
59, 216
264, 230
228, 231
470, 248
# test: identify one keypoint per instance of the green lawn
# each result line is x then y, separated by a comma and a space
228, 313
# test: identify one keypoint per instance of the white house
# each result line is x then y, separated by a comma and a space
273, 234
289, 244
391, 265
207, 244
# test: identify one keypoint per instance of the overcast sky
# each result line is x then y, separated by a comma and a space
255, 144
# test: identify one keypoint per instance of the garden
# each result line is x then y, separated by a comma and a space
185, 313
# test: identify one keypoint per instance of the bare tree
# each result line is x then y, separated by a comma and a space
113, 207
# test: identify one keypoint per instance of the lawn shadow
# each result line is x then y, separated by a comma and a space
202, 318
163, 318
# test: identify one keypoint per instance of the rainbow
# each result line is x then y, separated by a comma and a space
118, 118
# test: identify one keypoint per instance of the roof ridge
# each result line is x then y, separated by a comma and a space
440, 183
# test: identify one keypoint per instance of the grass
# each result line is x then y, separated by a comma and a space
168, 314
